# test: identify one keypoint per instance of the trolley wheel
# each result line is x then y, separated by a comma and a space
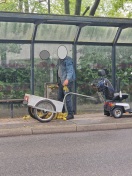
42, 115
31, 112
117, 112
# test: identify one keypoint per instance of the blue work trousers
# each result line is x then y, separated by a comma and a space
62, 93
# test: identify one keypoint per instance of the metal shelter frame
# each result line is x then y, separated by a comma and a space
79, 21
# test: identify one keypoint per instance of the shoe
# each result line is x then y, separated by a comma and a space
70, 116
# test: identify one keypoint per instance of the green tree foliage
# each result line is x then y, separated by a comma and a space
14, 81
109, 8
26, 6
124, 68
115, 8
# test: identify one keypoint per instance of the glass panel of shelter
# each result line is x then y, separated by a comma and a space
15, 75
97, 34
56, 32
124, 69
89, 60
125, 36
16, 31
14, 70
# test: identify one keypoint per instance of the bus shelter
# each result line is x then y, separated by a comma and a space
23, 36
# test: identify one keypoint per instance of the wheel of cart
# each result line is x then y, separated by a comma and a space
44, 111
31, 112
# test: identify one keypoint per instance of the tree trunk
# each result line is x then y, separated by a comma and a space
3, 58
78, 7
94, 8
26, 5
67, 6
48, 6
20, 5
86, 10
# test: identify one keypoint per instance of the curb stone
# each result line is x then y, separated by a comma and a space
81, 123
62, 129
15, 132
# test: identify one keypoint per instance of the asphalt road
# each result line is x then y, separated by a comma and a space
95, 153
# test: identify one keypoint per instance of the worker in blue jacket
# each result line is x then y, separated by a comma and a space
66, 77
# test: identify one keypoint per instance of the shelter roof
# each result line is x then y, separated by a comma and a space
42, 28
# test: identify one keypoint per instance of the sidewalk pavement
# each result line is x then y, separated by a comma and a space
81, 123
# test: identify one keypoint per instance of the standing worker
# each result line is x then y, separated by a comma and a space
66, 76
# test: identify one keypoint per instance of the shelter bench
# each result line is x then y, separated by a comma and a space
11, 102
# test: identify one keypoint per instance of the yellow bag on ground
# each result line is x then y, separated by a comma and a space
61, 115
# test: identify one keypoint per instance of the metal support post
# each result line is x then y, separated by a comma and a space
32, 68
32, 59
74, 56
114, 66
114, 57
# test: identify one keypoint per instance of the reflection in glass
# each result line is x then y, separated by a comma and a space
56, 32
126, 36
97, 34
16, 31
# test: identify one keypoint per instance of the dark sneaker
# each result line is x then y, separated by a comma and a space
70, 116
